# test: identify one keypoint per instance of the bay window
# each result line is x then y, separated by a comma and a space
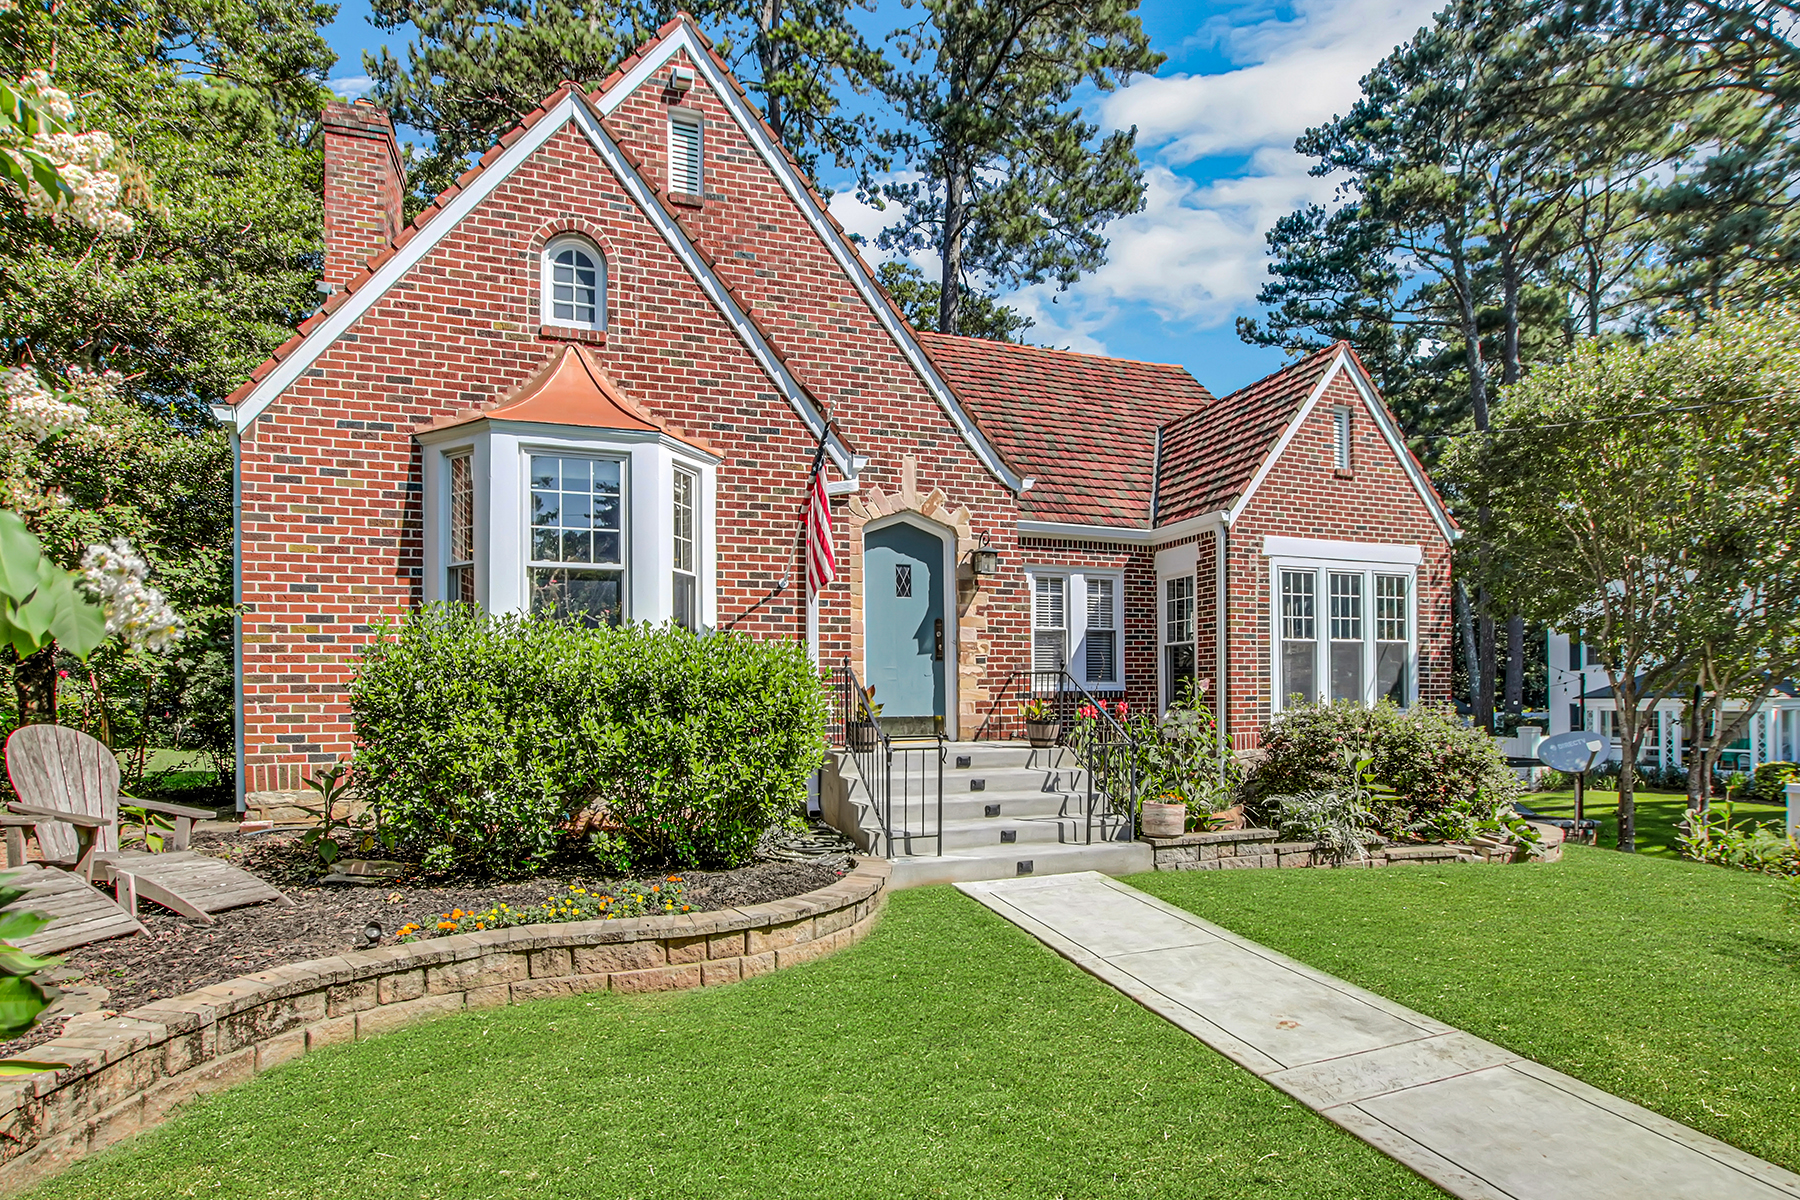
459, 584
685, 582
577, 551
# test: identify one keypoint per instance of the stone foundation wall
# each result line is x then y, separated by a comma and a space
128, 1072
1248, 848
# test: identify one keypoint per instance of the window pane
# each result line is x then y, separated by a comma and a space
1102, 656
684, 521
1178, 610
687, 609
586, 597
1100, 604
1347, 671
1346, 607
1341, 428
1047, 650
1297, 613
462, 510
462, 584
1178, 671
576, 516
1299, 666
543, 471
1390, 608
1390, 671
1047, 602
574, 287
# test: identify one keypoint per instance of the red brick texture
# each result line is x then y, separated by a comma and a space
364, 180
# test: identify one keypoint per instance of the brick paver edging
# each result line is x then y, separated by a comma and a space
131, 1071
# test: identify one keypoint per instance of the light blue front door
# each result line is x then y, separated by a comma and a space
903, 619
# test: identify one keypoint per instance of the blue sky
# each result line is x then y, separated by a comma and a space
1216, 127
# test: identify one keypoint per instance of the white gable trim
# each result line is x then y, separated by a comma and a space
570, 109
1342, 362
685, 38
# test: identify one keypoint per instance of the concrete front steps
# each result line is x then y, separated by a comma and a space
1009, 811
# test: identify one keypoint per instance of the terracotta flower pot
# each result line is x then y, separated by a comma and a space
1163, 820
1043, 734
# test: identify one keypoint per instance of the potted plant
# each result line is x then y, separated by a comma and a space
1165, 816
862, 732
1041, 725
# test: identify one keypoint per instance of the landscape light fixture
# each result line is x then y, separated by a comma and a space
681, 79
372, 934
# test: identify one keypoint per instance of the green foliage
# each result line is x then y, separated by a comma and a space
1176, 759
664, 897
39, 601
1005, 182
22, 998
1769, 782
481, 737
918, 298
1423, 759
144, 827
1713, 837
330, 787
1336, 819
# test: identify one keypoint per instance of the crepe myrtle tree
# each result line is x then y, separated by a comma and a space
1642, 494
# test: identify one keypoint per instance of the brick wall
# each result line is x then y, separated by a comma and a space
1304, 496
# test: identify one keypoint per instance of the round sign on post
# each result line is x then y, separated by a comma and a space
1572, 753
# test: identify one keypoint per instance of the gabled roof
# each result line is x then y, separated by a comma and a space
1210, 456
567, 105
569, 389
1083, 426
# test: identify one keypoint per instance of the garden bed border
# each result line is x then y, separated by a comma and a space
128, 1072
1250, 848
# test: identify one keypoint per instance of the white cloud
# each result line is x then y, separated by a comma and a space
351, 86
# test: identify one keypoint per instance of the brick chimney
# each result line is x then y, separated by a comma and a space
364, 180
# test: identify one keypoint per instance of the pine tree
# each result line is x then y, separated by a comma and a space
1012, 186
918, 298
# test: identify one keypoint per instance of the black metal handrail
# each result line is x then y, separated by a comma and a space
1108, 753
872, 749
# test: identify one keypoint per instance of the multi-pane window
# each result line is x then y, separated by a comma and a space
1102, 638
687, 579
575, 284
577, 565
1049, 623
684, 154
1393, 665
1346, 635
459, 584
1178, 638
1299, 637
1340, 429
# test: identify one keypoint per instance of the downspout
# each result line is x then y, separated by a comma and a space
227, 415
1222, 652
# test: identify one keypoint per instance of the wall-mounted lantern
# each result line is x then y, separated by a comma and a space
983, 560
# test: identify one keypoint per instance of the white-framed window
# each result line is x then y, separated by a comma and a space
1344, 632
685, 571
459, 581
1049, 622
686, 160
1179, 664
1100, 640
576, 567
574, 284
1340, 430
1078, 624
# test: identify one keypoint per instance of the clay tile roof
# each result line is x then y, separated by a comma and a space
1083, 426
569, 389
1210, 456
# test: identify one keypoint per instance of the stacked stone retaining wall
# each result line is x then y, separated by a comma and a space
1249, 848
126, 1072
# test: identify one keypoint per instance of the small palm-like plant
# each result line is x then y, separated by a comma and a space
1336, 820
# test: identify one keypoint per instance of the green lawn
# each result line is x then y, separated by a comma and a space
947, 1055
1657, 813
1673, 984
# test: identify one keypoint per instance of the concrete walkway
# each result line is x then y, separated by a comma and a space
1473, 1118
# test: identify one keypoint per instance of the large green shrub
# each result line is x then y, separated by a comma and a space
1769, 782
1426, 756
481, 736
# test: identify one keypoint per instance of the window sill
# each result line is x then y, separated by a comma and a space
687, 199
572, 333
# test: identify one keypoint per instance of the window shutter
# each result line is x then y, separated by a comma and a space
684, 155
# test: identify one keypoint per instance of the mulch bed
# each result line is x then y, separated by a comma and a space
180, 955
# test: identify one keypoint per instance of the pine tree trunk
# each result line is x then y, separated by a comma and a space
34, 687
956, 205
768, 13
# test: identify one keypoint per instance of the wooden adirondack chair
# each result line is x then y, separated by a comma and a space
69, 784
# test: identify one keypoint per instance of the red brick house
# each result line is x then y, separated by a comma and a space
591, 377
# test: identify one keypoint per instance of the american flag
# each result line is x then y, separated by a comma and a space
821, 555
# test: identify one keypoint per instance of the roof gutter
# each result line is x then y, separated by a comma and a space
1134, 535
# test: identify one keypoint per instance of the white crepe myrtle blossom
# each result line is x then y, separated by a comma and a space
36, 410
81, 159
135, 611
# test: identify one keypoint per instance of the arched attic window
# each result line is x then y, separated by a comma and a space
574, 284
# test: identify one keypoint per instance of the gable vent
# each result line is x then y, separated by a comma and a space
684, 154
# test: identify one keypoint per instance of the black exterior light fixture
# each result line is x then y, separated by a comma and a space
983, 560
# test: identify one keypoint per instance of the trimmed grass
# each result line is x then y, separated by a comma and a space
1657, 813
1673, 984
949, 1054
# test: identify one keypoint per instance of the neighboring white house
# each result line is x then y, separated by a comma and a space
1773, 733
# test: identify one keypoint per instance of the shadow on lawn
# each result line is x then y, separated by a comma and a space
1763, 951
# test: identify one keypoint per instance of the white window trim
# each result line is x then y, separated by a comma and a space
1342, 438
1322, 568
1075, 624
677, 471
547, 282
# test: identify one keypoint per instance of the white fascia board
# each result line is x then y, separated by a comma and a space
1129, 534
1372, 403
1365, 552
686, 39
